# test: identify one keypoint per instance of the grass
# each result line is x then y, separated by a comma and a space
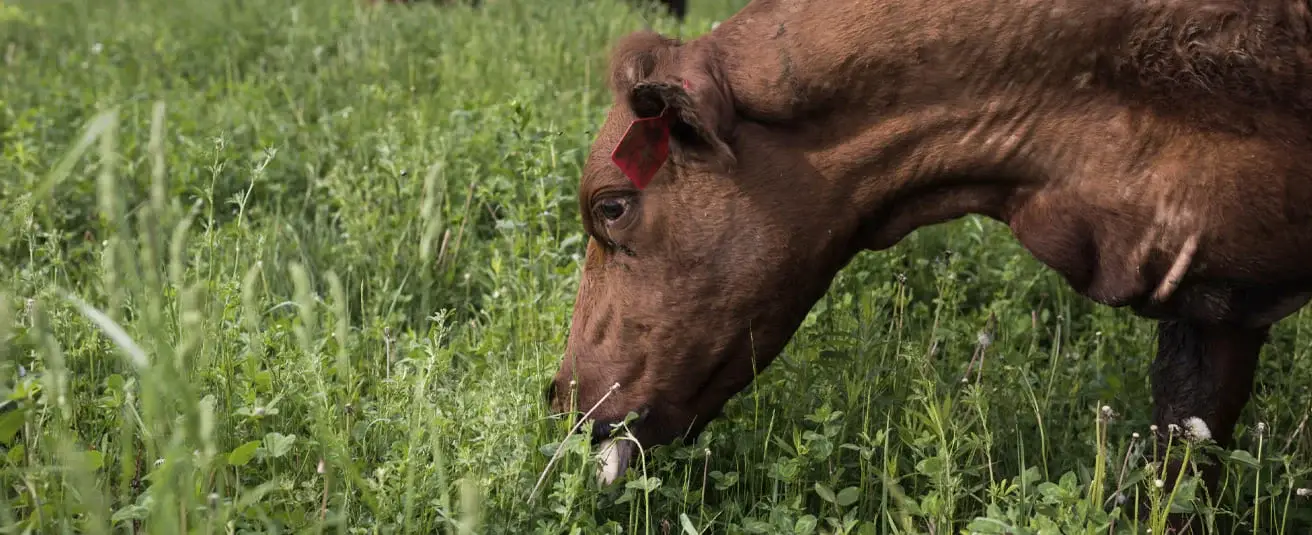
295, 266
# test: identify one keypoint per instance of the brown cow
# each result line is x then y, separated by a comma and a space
1156, 153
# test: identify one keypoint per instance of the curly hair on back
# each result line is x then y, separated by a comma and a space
1252, 52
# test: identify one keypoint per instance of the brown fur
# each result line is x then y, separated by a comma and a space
1156, 153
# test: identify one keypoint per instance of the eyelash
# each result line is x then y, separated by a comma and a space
606, 224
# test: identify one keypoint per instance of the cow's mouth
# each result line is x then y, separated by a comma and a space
615, 455
616, 452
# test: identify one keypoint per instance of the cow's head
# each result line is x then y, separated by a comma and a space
711, 236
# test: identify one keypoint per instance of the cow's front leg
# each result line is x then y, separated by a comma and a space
1205, 372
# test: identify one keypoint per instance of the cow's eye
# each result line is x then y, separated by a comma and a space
612, 209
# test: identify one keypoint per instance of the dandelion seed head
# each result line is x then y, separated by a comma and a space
1197, 428
1159, 483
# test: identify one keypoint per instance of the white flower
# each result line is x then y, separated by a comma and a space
97, 48
1304, 492
1198, 428
1134, 435
1159, 483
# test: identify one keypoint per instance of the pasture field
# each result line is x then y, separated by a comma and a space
294, 266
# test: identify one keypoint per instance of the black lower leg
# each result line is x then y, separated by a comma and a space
1203, 372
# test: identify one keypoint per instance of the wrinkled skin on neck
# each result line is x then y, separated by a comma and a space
803, 136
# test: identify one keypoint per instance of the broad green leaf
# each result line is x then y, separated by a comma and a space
825, 493
646, 483
277, 444
848, 496
243, 453
806, 525
987, 525
16, 454
10, 423
930, 466
1246, 458
95, 459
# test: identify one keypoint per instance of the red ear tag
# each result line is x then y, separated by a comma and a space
643, 149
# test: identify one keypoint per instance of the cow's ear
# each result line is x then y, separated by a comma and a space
658, 75
699, 120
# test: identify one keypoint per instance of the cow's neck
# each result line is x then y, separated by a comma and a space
793, 59
929, 113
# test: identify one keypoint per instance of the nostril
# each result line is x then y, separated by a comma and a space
602, 430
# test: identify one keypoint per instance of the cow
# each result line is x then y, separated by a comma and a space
1157, 154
